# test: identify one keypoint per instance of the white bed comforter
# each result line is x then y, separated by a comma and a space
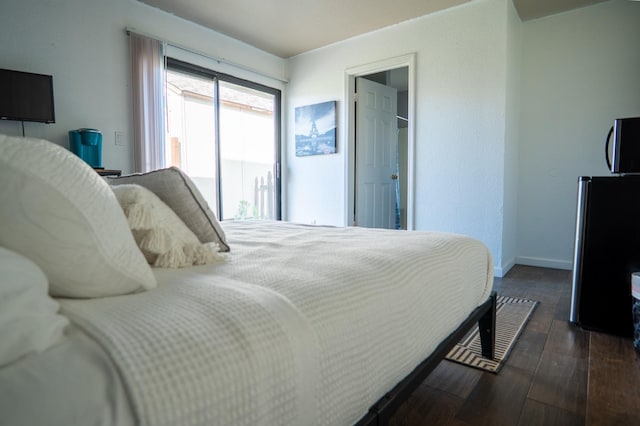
301, 325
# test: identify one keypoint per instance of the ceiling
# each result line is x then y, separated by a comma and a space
286, 28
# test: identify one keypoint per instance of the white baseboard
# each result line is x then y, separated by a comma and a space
544, 263
502, 271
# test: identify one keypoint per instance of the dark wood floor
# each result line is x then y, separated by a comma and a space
557, 374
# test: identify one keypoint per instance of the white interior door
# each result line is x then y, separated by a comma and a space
376, 154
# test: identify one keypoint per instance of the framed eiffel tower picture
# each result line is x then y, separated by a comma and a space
315, 128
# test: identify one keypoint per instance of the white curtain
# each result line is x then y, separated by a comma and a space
147, 83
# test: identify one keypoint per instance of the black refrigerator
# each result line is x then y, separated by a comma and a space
606, 253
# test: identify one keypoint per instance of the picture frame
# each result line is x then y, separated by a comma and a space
315, 129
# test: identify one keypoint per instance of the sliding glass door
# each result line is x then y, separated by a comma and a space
224, 132
247, 152
191, 126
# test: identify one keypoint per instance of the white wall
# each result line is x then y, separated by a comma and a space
83, 44
461, 68
580, 71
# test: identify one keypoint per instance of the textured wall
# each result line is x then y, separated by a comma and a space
580, 71
460, 120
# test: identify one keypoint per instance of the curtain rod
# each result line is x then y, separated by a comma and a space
205, 55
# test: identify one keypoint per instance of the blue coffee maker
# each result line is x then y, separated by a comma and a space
87, 144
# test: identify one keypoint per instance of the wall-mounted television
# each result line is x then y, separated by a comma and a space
26, 96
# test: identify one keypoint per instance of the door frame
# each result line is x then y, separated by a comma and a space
350, 120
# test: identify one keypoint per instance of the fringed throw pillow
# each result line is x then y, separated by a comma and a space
162, 236
181, 194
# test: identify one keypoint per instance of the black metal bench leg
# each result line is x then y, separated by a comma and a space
487, 327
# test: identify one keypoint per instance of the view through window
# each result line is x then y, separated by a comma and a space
224, 135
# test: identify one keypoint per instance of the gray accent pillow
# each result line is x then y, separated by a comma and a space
179, 192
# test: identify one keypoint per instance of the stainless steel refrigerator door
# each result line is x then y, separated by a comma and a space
607, 252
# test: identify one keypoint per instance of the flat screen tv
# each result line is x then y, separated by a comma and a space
26, 96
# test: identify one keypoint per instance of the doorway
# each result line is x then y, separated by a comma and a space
370, 204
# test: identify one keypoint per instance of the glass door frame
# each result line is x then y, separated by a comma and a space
180, 66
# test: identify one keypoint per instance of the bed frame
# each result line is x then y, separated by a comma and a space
485, 315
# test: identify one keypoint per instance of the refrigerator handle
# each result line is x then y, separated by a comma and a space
606, 150
581, 219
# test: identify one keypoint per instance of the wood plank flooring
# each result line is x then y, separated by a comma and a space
557, 374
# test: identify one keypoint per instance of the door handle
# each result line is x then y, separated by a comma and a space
394, 177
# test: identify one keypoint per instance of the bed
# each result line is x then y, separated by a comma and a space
294, 324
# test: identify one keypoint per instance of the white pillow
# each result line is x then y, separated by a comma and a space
61, 214
162, 236
29, 321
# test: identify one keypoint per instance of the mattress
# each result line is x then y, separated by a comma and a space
300, 325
